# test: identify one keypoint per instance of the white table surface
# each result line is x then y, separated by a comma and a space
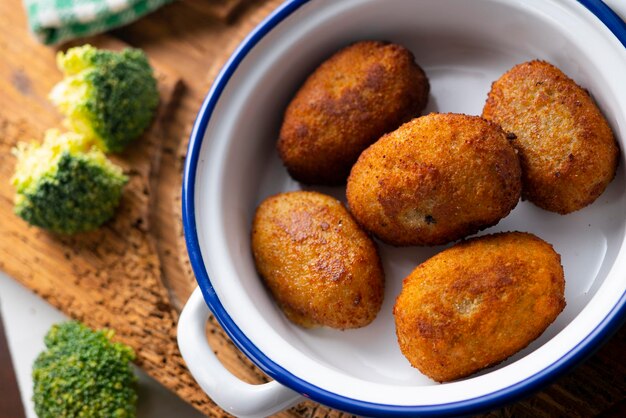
27, 318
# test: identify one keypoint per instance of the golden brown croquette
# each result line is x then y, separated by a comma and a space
361, 92
321, 268
436, 179
477, 303
566, 147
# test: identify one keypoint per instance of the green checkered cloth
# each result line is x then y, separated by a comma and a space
55, 21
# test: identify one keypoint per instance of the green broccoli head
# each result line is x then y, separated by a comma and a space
82, 373
66, 184
108, 96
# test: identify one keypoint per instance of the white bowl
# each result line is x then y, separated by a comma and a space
232, 165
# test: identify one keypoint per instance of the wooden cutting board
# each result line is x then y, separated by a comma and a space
133, 274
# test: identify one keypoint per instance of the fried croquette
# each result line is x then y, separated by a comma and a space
477, 303
353, 98
320, 266
436, 179
566, 147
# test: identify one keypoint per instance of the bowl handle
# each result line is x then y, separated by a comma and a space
226, 390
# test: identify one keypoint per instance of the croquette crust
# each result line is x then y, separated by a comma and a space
477, 303
320, 266
436, 179
358, 94
567, 150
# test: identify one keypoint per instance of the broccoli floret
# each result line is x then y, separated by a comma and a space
108, 96
82, 373
66, 184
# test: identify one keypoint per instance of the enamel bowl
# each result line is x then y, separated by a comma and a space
232, 165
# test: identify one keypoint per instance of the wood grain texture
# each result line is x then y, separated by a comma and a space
106, 278
143, 245
224, 10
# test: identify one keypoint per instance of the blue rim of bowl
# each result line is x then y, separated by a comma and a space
583, 349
